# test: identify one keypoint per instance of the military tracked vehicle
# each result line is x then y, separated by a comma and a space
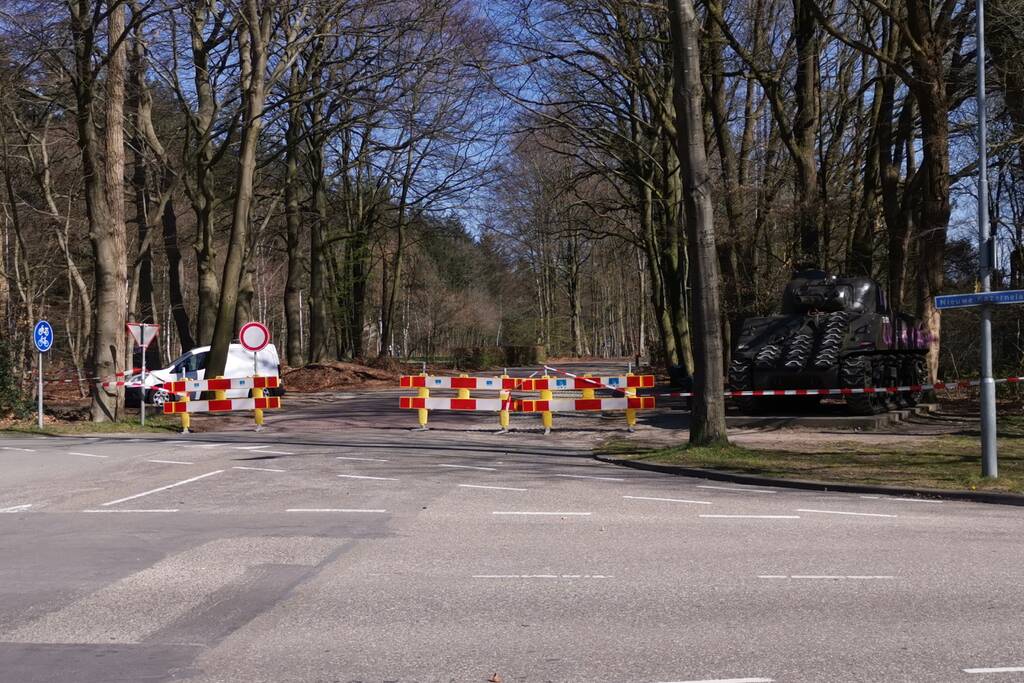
832, 332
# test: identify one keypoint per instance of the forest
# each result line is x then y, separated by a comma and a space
397, 179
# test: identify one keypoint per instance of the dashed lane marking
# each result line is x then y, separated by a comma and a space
362, 476
250, 448
345, 457
495, 488
278, 452
734, 488
259, 469
542, 576
134, 510
172, 462
469, 467
203, 445
842, 512
162, 488
331, 510
996, 670
550, 514
752, 516
668, 500
17, 508
727, 680
87, 455
587, 476
855, 577
12, 448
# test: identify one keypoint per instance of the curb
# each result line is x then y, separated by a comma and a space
991, 497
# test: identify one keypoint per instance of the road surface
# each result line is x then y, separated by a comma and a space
329, 551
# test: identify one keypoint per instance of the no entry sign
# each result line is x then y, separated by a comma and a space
254, 336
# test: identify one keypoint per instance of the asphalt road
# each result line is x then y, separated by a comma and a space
312, 552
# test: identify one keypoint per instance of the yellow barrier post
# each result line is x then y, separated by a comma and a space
630, 412
219, 394
423, 393
257, 412
186, 420
506, 398
463, 393
588, 392
546, 417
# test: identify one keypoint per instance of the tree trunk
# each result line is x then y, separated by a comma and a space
293, 225
707, 424
252, 47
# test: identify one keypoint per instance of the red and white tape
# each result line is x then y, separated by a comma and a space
845, 391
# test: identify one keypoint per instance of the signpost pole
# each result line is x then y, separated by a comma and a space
989, 456
142, 389
40, 397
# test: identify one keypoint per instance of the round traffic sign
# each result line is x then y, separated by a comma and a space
42, 335
254, 336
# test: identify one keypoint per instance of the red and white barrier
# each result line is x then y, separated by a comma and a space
566, 405
493, 405
576, 383
222, 405
188, 386
846, 391
434, 382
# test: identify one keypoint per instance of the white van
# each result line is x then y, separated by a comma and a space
192, 365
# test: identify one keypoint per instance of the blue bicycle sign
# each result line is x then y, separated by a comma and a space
43, 336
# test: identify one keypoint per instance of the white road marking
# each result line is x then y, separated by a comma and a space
841, 512
133, 510
832, 577
343, 457
250, 448
87, 455
752, 516
162, 488
542, 576
278, 452
727, 680
172, 462
871, 497
469, 467
995, 670
587, 476
556, 514
202, 445
12, 448
330, 510
669, 500
357, 476
17, 508
496, 488
734, 488
260, 469
918, 500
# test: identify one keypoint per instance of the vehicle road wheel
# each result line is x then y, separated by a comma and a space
158, 397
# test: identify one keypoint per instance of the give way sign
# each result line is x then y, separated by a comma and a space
254, 336
143, 333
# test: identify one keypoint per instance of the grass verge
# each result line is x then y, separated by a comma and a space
155, 424
944, 462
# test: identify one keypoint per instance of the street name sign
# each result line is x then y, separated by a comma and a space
1009, 296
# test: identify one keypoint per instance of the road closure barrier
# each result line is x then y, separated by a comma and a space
623, 388
257, 402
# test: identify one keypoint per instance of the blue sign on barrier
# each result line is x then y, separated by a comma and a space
1010, 296
43, 336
